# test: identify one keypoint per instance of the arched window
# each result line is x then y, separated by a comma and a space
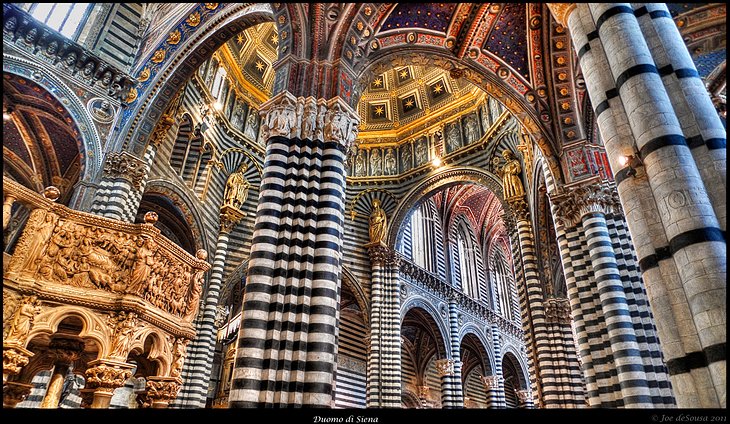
504, 282
426, 238
65, 18
186, 152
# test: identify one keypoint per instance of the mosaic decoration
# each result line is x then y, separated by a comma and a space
707, 62
508, 39
433, 16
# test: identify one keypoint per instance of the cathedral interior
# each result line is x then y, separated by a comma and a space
364, 205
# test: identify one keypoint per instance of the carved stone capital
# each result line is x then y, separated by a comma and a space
230, 216
341, 123
14, 393
557, 310
15, 357
520, 208
126, 166
445, 367
161, 390
561, 11
107, 375
524, 397
423, 392
575, 202
491, 382
288, 116
379, 253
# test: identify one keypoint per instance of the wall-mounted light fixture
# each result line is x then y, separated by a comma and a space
633, 161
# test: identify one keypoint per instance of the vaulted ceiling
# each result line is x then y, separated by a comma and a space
41, 143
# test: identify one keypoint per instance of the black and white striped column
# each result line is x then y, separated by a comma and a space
498, 398
125, 176
456, 385
696, 242
445, 369
287, 342
197, 370
625, 349
384, 355
692, 384
702, 128
492, 385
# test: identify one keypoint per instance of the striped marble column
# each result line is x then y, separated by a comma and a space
696, 242
702, 128
445, 369
623, 344
125, 177
197, 370
384, 355
494, 390
498, 400
287, 342
456, 384
692, 384
532, 307
524, 398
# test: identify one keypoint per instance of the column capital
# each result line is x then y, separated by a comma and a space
106, 375
520, 208
445, 367
126, 166
557, 310
161, 390
491, 381
230, 216
15, 357
573, 202
561, 11
285, 115
383, 255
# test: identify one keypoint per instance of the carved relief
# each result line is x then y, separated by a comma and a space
123, 326
557, 310
106, 378
178, 356
22, 320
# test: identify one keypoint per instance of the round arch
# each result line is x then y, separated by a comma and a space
183, 201
91, 142
511, 355
349, 280
155, 93
425, 305
474, 330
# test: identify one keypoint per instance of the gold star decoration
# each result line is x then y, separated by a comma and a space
275, 39
438, 88
377, 82
260, 66
379, 110
404, 73
409, 103
239, 39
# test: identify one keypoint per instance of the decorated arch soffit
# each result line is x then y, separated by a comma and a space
34, 81
169, 63
497, 47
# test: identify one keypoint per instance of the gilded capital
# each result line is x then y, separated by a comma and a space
230, 216
561, 11
520, 208
160, 131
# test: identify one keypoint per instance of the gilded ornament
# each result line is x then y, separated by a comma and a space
159, 56
193, 20
174, 37
378, 223
144, 75
131, 95
211, 6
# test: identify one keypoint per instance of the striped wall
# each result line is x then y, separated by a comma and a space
350, 380
118, 40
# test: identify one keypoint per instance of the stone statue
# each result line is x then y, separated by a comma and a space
511, 176
421, 152
375, 163
452, 137
471, 129
360, 164
378, 222
23, 319
124, 331
236, 188
406, 157
252, 125
390, 166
